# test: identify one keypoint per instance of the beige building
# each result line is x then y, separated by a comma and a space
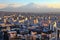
35, 21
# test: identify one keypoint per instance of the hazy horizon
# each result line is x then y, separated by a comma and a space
30, 5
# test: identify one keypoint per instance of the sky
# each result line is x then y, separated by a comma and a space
17, 3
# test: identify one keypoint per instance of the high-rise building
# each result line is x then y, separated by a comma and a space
35, 21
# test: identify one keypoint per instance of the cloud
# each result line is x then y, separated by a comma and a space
15, 5
11, 5
3, 6
50, 5
54, 5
